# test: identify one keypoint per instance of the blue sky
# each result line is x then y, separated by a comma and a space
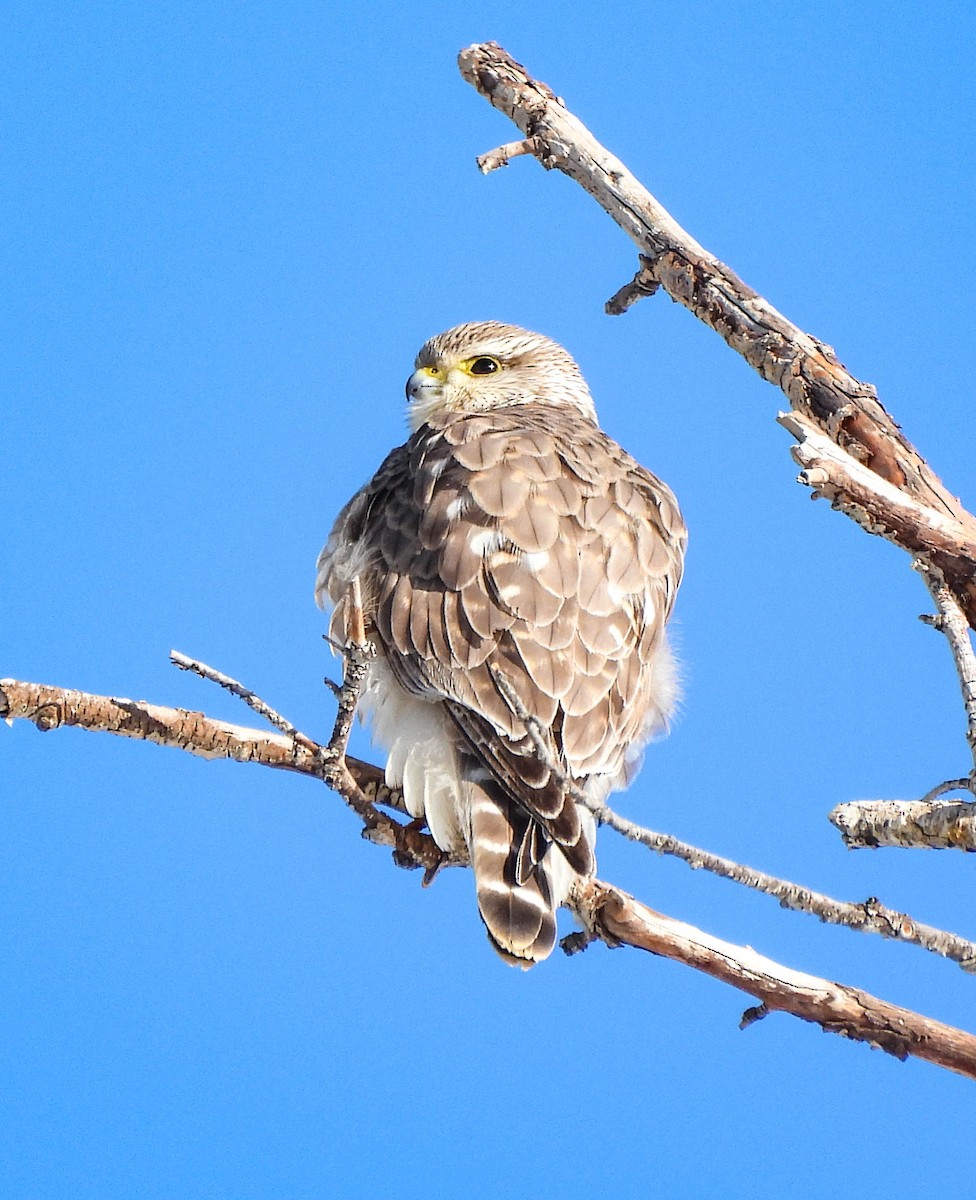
228, 229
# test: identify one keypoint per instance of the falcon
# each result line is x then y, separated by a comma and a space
512, 558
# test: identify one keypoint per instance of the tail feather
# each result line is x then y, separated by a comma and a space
520, 876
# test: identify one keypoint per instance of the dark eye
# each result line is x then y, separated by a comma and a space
484, 365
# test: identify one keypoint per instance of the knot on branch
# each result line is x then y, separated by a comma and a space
47, 717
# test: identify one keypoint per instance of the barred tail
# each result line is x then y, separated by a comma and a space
521, 878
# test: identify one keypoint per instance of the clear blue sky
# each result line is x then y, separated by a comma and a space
228, 229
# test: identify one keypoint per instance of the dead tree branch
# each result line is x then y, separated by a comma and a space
605, 912
620, 919
850, 449
50, 708
952, 622
871, 916
877, 505
818, 386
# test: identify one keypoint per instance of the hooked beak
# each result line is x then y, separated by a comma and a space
425, 384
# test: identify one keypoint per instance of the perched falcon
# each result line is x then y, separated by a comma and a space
510, 536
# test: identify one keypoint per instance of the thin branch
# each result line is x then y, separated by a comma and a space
920, 824
606, 912
871, 916
952, 622
411, 847
254, 702
943, 789
331, 758
807, 370
356, 656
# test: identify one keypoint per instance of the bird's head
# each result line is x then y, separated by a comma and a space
486, 365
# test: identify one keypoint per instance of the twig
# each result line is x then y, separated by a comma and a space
356, 656
924, 824
643, 284
331, 759
607, 913
501, 155
238, 689
411, 846
807, 370
941, 789
869, 917
335, 768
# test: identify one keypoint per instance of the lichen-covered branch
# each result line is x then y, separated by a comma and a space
606, 912
254, 702
808, 371
926, 824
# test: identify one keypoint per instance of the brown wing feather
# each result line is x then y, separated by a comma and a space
550, 554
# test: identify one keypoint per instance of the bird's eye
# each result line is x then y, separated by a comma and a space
483, 365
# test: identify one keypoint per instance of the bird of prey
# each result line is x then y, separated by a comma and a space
510, 548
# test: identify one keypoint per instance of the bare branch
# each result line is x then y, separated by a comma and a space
53, 707
952, 622
806, 369
871, 916
619, 919
411, 846
878, 506
357, 654
927, 824
237, 689
606, 912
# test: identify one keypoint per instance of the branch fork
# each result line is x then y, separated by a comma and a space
605, 911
